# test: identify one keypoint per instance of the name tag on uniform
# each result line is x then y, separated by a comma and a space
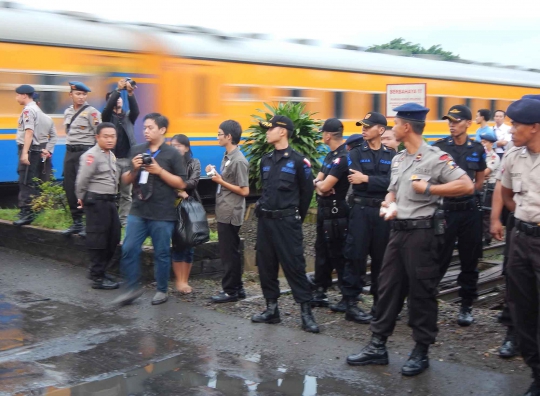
143, 179
219, 188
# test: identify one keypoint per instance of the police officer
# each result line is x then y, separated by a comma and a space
521, 195
81, 121
490, 175
47, 139
331, 186
287, 191
369, 164
420, 175
28, 151
96, 188
463, 213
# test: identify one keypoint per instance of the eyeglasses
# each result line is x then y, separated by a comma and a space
220, 134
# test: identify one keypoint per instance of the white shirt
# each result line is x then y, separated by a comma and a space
503, 133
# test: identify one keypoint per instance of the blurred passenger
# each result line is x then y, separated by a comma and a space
493, 162
482, 118
232, 190
124, 123
47, 136
183, 260
389, 139
502, 131
81, 121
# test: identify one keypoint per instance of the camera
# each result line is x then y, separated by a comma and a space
133, 83
146, 159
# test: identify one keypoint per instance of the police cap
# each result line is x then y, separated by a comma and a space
536, 97
354, 138
278, 121
78, 86
412, 112
332, 125
458, 113
373, 118
25, 89
489, 136
524, 111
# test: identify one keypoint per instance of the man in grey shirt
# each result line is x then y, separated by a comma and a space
232, 190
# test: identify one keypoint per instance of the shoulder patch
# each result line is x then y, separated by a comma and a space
307, 163
445, 157
89, 159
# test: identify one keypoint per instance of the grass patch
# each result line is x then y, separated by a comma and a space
9, 214
213, 236
54, 219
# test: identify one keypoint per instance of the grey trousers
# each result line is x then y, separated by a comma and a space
122, 166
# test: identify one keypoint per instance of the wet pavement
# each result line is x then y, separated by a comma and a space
60, 337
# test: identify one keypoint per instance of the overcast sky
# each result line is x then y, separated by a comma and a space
505, 32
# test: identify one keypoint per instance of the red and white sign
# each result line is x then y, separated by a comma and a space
399, 94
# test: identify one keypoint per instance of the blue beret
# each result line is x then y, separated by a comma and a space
78, 86
489, 136
36, 96
412, 112
524, 111
354, 138
536, 97
25, 89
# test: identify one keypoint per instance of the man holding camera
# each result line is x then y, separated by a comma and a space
124, 123
157, 170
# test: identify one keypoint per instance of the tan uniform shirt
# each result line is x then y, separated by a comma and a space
493, 162
83, 128
46, 131
97, 173
430, 164
501, 166
230, 207
28, 120
521, 174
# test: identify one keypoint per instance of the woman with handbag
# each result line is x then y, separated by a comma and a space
183, 258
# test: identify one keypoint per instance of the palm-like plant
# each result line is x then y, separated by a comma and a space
306, 137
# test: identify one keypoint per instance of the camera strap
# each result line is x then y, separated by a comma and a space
75, 117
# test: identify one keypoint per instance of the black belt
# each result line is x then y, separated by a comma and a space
102, 197
362, 201
73, 148
403, 225
454, 206
329, 203
530, 229
34, 147
277, 214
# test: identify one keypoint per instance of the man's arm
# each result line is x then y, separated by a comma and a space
306, 187
455, 188
106, 116
29, 122
133, 107
479, 180
87, 168
508, 198
496, 227
52, 138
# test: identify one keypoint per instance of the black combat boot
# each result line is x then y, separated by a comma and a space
355, 314
76, 228
418, 361
341, 306
509, 349
465, 317
270, 315
104, 283
320, 299
373, 353
27, 216
308, 321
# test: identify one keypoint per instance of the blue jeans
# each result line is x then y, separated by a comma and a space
137, 230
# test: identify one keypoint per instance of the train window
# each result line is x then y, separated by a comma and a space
376, 103
468, 102
296, 93
338, 104
440, 108
492, 107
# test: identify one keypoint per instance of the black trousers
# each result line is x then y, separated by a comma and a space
368, 234
27, 186
506, 316
102, 235
523, 274
45, 170
466, 227
280, 241
71, 168
229, 251
329, 245
411, 270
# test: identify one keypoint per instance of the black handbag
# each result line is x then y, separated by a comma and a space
192, 226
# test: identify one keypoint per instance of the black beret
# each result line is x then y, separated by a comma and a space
524, 111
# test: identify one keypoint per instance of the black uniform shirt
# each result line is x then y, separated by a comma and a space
335, 164
287, 181
376, 165
155, 199
470, 156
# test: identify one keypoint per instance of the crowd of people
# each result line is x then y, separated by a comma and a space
406, 210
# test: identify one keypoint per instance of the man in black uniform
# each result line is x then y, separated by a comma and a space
96, 187
463, 214
369, 164
331, 186
287, 191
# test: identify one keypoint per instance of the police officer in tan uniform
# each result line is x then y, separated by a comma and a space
96, 188
81, 121
521, 195
421, 174
29, 152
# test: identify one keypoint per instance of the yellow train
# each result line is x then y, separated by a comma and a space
199, 78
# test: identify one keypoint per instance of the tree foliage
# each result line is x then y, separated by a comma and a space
306, 137
413, 49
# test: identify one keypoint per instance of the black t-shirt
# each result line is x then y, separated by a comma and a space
335, 164
121, 150
155, 199
470, 156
